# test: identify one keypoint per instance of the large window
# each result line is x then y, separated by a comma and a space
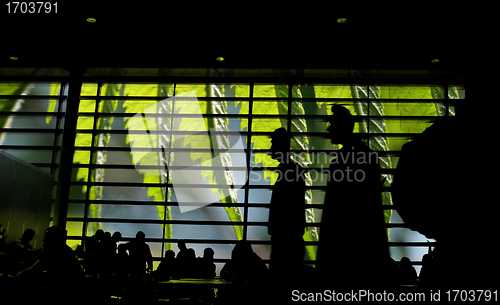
132, 139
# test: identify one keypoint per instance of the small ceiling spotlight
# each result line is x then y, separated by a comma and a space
91, 20
342, 20
220, 58
435, 60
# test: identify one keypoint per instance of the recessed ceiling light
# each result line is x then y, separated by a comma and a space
220, 58
13, 58
91, 20
342, 20
435, 60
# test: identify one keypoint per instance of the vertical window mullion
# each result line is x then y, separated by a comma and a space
248, 157
57, 134
289, 113
91, 161
446, 102
168, 175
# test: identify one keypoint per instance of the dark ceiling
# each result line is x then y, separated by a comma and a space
246, 35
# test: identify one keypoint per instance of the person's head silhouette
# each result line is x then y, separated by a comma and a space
341, 125
169, 254
140, 236
116, 236
28, 235
280, 145
208, 253
54, 236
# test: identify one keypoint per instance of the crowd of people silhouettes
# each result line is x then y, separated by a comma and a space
131, 264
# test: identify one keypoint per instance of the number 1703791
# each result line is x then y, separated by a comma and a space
31, 7
472, 295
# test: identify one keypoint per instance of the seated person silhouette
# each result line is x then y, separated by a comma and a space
352, 225
205, 265
287, 211
407, 271
427, 274
58, 261
246, 273
183, 251
57, 274
121, 261
185, 261
245, 266
20, 253
2, 238
167, 268
25, 241
93, 252
140, 256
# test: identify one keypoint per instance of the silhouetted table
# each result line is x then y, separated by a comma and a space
214, 283
176, 289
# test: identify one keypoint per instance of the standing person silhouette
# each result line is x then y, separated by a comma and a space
353, 241
139, 255
287, 212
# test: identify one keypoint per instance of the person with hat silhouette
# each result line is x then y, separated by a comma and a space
287, 212
352, 246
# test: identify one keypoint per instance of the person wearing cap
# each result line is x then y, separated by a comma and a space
287, 212
352, 246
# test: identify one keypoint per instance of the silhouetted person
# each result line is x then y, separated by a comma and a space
407, 271
106, 251
189, 264
182, 250
459, 192
58, 262
20, 252
93, 252
286, 213
427, 276
352, 225
58, 273
205, 265
115, 238
247, 274
244, 265
24, 243
139, 255
167, 268
186, 261
2, 238
121, 261
205, 269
